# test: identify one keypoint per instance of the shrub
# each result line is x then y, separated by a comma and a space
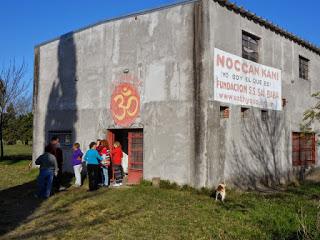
168, 185
146, 183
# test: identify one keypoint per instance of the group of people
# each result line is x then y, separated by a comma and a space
102, 163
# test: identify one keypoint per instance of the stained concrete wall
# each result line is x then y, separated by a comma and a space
78, 72
171, 52
250, 151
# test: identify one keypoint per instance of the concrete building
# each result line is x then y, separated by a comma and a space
197, 93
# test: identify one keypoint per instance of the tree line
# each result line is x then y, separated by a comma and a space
17, 126
15, 105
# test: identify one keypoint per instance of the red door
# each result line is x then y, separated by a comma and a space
135, 157
110, 137
296, 149
307, 149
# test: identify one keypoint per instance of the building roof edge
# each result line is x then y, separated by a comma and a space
224, 3
134, 14
267, 24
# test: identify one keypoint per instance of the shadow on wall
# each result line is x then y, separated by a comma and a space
62, 113
259, 160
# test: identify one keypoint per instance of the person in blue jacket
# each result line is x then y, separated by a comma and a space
93, 159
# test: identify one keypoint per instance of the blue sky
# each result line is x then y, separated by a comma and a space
25, 23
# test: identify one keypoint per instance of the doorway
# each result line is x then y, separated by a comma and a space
131, 141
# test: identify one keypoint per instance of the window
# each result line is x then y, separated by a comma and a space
303, 149
303, 68
224, 112
250, 46
65, 137
244, 112
284, 102
264, 115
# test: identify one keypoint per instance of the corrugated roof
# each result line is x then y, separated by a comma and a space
224, 3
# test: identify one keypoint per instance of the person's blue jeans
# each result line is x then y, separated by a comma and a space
105, 176
45, 180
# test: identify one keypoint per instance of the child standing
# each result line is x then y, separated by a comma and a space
116, 156
93, 159
105, 163
77, 163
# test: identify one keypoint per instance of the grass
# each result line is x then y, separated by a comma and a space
144, 212
18, 150
14, 169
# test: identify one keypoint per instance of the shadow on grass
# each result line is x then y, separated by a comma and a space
12, 159
238, 207
17, 204
50, 222
40, 233
308, 189
66, 179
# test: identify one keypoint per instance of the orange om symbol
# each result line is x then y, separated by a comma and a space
125, 104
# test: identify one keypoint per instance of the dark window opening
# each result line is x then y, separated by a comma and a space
245, 112
303, 68
303, 149
264, 115
65, 137
250, 46
284, 102
224, 112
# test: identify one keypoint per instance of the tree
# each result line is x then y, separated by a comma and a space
312, 114
25, 124
13, 88
10, 125
309, 117
17, 126
24, 105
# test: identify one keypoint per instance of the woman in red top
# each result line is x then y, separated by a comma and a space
116, 156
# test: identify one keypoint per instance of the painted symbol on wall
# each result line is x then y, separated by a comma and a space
125, 104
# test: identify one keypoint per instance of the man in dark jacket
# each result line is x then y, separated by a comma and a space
48, 169
55, 145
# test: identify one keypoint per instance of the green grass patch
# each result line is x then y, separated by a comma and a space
18, 152
14, 169
18, 149
145, 212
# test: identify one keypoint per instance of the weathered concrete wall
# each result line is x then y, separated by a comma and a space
170, 54
246, 150
77, 75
